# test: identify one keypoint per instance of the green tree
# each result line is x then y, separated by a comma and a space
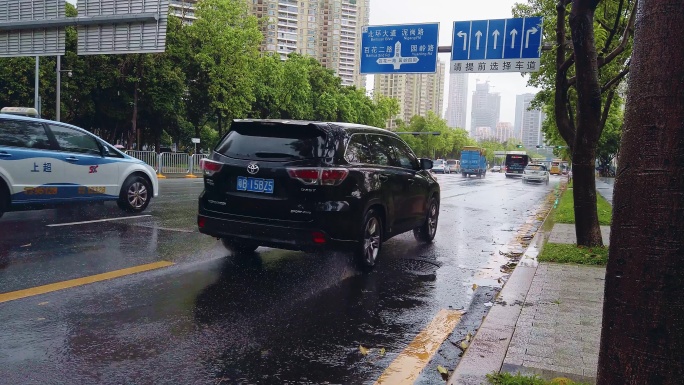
580, 81
225, 42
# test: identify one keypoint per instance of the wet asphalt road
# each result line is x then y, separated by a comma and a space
278, 317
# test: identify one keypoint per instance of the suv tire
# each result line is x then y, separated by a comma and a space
426, 232
239, 247
370, 240
135, 194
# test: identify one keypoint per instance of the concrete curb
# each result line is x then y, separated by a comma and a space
487, 351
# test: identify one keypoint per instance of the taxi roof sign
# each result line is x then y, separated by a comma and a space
24, 111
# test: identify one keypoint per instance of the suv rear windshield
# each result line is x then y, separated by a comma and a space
273, 141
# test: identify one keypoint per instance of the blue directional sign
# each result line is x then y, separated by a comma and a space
499, 45
388, 49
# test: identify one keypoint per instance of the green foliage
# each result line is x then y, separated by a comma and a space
605, 18
565, 211
447, 144
211, 72
571, 253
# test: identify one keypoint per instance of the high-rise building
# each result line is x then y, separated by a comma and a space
528, 122
416, 93
486, 107
504, 132
483, 133
328, 30
458, 100
185, 9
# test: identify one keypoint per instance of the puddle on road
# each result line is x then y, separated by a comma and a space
502, 263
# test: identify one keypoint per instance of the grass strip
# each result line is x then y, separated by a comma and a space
565, 211
571, 253
519, 379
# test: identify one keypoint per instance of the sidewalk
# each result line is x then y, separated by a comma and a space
546, 320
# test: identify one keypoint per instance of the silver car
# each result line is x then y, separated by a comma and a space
535, 173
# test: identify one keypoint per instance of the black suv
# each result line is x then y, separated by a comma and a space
302, 185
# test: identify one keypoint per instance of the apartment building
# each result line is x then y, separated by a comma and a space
486, 108
328, 30
416, 93
528, 122
457, 106
184, 9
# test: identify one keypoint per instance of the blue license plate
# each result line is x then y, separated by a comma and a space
255, 185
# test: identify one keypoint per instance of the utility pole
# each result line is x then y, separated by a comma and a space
36, 94
58, 93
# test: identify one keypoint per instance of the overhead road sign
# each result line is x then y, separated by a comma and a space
114, 37
400, 49
46, 41
499, 45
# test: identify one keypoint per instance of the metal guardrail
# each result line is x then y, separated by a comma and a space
196, 166
171, 162
149, 157
174, 163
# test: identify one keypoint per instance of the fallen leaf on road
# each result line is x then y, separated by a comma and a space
468, 337
474, 286
442, 370
463, 345
382, 352
364, 350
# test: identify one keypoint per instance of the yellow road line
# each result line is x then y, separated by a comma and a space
11, 296
408, 365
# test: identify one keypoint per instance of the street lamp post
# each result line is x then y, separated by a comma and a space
58, 93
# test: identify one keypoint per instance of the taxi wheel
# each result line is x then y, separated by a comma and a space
135, 194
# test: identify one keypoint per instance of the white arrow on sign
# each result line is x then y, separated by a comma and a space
465, 39
397, 60
514, 32
496, 36
478, 34
532, 30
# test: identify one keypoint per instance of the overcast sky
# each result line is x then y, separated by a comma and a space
446, 12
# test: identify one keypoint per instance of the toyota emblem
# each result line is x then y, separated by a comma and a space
252, 168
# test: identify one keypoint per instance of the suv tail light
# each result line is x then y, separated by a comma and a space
210, 167
319, 176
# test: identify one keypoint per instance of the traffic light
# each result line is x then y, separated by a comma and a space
560, 147
539, 146
519, 146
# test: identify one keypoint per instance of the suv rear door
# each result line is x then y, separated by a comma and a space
254, 180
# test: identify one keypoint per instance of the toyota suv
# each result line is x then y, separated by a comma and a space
303, 185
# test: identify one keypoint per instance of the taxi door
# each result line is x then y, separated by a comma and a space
29, 162
87, 174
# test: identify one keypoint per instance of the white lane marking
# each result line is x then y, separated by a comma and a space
98, 220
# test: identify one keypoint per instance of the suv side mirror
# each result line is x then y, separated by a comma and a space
425, 164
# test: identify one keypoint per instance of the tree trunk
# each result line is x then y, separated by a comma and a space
642, 339
588, 123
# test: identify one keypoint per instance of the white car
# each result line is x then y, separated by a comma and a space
440, 166
535, 173
43, 162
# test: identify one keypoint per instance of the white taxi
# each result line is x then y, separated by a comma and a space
43, 162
